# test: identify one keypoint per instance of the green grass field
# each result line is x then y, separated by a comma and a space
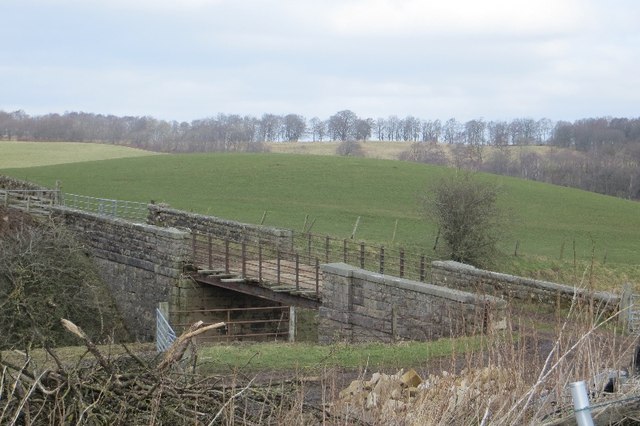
32, 154
335, 191
307, 357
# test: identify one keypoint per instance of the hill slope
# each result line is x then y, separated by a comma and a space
335, 191
32, 154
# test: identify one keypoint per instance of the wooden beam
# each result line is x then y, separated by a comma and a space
254, 289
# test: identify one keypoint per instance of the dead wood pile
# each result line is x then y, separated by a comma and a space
133, 390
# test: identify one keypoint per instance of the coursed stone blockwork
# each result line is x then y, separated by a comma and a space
140, 263
468, 278
362, 306
162, 215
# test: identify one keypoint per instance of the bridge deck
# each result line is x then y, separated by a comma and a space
278, 280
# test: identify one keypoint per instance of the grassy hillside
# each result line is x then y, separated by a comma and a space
383, 150
372, 149
335, 191
32, 154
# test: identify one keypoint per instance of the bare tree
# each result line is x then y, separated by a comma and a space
318, 129
498, 133
393, 124
341, 125
270, 127
431, 130
380, 128
452, 131
362, 129
294, 127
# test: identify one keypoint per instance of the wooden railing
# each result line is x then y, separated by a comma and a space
390, 260
29, 199
299, 266
260, 261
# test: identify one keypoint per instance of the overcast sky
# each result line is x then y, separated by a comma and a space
190, 59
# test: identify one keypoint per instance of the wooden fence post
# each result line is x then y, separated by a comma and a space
278, 266
260, 261
226, 256
317, 277
297, 271
326, 249
244, 259
210, 251
193, 246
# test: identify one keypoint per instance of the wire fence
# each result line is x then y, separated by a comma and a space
165, 336
261, 259
128, 210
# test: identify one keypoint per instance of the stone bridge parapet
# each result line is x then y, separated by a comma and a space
362, 306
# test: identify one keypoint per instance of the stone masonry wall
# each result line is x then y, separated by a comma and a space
361, 306
140, 263
238, 232
468, 278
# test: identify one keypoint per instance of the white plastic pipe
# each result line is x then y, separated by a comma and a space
581, 403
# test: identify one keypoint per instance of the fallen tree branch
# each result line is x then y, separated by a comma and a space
178, 348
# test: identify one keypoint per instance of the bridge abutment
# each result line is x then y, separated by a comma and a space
139, 263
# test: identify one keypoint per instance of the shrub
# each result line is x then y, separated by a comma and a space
45, 276
351, 148
469, 220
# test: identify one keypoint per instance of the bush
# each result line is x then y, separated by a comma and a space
429, 153
469, 220
45, 276
351, 148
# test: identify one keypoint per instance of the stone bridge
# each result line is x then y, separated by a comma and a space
259, 279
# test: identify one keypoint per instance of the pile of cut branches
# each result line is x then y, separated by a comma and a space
133, 390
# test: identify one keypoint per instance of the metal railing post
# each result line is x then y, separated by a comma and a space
581, 403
